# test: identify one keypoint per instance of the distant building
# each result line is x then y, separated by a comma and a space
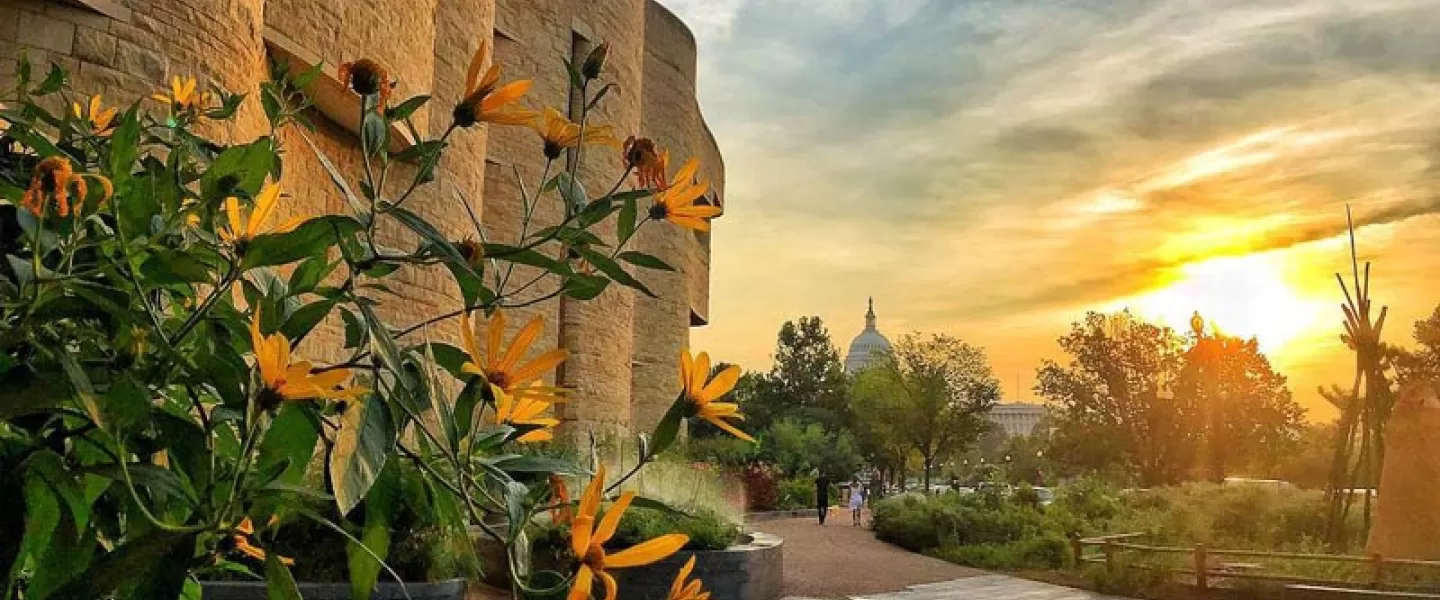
1017, 418
867, 346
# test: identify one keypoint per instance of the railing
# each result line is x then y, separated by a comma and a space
1209, 564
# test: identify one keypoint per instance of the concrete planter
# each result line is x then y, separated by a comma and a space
751, 571
450, 589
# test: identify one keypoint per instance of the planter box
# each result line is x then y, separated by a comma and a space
753, 571
450, 589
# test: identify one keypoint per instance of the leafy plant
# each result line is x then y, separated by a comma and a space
157, 426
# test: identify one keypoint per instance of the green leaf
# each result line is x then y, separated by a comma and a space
53, 81
641, 259
166, 267
42, 516
121, 566
304, 319
521, 463
469, 397
524, 256
374, 133
310, 273
613, 270
363, 443
515, 493
653, 504
600, 94
290, 440
126, 406
427, 232
625, 225
308, 240
238, 169
124, 148
403, 110
279, 582
409, 396
669, 426
303, 80
336, 177
573, 192
418, 150
355, 332
585, 287
380, 506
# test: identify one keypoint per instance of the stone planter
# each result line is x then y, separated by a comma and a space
750, 571
450, 589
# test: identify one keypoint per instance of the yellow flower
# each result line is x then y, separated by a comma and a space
503, 370
485, 103
676, 203
587, 541
183, 95
61, 176
524, 411
649, 163
559, 133
702, 396
242, 542
367, 77
240, 230
99, 119
682, 591
287, 381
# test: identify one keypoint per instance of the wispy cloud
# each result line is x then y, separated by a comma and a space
982, 166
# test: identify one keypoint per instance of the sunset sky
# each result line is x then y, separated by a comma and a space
993, 169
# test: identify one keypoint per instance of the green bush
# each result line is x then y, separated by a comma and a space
1124, 579
907, 521
797, 493
706, 528
1044, 552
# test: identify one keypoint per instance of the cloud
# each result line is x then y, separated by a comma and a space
986, 163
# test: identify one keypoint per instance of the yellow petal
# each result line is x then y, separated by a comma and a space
686, 365
473, 72
232, 212
264, 205
720, 385
75, 106
495, 339
506, 94
580, 589
612, 589
718, 422
580, 530
680, 578
700, 373
590, 500
246, 526
691, 223
540, 366
647, 552
518, 346
687, 172
611, 520
467, 337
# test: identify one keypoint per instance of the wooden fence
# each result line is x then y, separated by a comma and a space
1207, 565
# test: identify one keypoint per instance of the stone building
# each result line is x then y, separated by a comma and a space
1017, 419
869, 345
624, 346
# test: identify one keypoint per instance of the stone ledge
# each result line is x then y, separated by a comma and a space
751, 571
109, 8
328, 94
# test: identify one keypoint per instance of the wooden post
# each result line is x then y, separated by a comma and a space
1109, 548
1077, 550
1377, 563
1202, 569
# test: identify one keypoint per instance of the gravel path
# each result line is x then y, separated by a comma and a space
839, 561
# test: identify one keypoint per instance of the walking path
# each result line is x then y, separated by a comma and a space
839, 561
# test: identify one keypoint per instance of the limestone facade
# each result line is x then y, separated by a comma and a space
624, 346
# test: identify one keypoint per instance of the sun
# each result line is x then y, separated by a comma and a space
1245, 296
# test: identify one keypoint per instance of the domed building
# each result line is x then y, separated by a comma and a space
868, 346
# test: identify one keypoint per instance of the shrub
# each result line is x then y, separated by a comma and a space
762, 491
706, 528
907, 521
1044, 552
797, 493
1124, 579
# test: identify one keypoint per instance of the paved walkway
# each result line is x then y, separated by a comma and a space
839, 561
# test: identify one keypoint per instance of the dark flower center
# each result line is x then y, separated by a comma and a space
658, 211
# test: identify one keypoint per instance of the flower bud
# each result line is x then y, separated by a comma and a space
595, 62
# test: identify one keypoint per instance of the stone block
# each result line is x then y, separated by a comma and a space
143, 62
39, 31
95, 46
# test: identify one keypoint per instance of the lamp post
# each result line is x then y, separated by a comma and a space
1207, 458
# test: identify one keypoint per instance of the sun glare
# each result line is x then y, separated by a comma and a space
1241, 296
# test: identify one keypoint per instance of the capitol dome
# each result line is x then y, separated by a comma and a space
867, 346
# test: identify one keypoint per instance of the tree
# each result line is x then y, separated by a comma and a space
1247, 413
798, 448
807, 381
1114, 398
1423, 362
934, 392
1139, 396
880, 440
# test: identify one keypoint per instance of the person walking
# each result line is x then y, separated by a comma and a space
857, 503
822, 495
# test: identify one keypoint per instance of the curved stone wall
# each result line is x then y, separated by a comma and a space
624, 346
